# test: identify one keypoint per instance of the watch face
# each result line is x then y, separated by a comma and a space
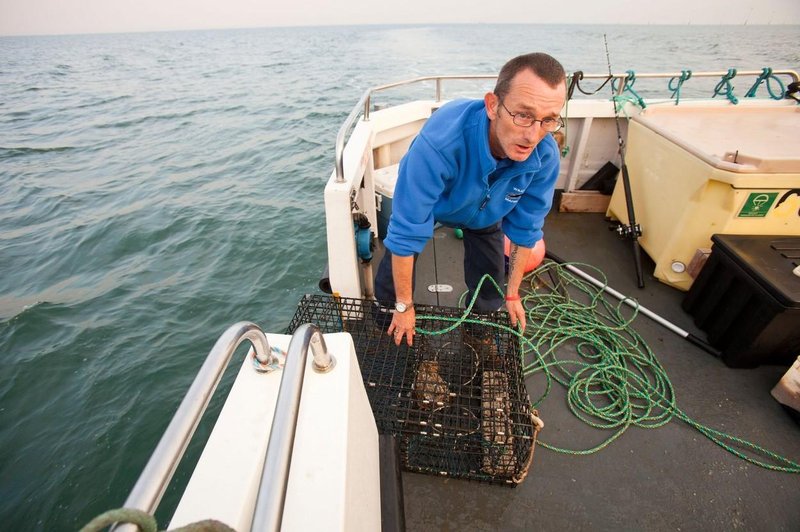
400, 306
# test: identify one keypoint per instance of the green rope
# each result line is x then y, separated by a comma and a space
621, 98
616, 381
676, 90
726, 87
768, 76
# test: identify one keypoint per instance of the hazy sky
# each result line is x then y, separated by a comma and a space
24, 17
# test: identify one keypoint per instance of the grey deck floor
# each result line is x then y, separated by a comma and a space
671, 478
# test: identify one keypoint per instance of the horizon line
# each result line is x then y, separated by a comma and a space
382, 24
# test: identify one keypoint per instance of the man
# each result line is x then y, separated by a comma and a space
489, 167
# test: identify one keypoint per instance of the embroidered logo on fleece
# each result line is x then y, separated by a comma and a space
515, 196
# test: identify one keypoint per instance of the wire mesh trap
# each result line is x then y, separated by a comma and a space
456, 400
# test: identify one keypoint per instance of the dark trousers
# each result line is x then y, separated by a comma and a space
483, 253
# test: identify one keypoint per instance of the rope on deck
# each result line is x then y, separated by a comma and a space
616, 381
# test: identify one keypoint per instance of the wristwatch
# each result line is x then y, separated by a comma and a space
402, 307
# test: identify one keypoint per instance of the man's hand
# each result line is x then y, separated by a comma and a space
403, 324
517, 259
517, 313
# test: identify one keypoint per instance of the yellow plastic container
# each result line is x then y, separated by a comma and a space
700, 170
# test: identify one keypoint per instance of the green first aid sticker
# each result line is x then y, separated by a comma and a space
757, 204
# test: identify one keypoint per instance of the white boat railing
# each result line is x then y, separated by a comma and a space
154, 479
271, 498
362, 108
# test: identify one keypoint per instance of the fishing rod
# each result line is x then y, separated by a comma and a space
630, 231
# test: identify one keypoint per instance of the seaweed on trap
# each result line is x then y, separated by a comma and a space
457, 401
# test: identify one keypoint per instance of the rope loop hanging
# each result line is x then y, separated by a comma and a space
792, 90
675, 84
577, 77
621, 98
769, 77
726, 87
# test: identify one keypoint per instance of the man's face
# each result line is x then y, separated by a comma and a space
528, 94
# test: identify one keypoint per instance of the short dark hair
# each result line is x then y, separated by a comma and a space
543, 65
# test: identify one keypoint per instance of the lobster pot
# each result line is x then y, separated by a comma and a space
456, 401
697, 171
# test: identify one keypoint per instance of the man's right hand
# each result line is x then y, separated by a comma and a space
403, 324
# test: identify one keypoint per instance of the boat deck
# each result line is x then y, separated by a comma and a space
669, 478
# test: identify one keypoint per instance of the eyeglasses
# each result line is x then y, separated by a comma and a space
551, 125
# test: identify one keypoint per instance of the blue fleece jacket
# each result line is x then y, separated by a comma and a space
449, 175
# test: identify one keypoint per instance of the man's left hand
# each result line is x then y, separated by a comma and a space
517, 313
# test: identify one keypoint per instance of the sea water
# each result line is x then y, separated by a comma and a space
156, 188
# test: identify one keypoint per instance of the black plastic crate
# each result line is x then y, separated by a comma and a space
747, 299
457, 401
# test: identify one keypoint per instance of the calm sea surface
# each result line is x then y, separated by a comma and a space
156, 188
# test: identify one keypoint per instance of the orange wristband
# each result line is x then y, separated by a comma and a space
512, 298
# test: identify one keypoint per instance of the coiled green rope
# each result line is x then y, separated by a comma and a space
616, 381
768, 76
726, 87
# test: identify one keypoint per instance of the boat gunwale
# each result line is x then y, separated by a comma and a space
362, 107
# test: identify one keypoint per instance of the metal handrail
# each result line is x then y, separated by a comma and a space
363, 105
155, 477
710, 74
268, 513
